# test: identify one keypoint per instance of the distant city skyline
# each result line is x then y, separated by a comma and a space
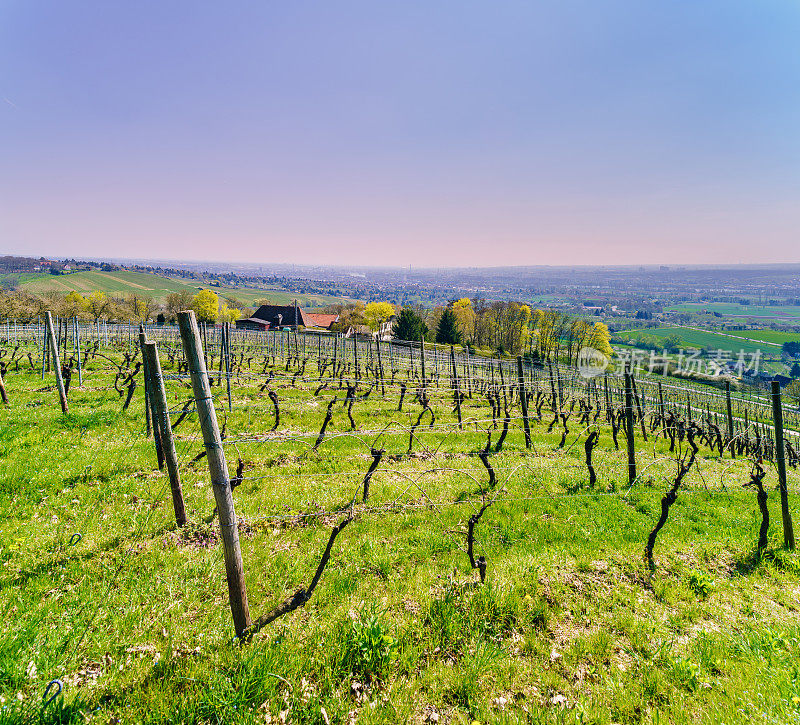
376, 134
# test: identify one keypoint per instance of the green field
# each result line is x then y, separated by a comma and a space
767, 335
789, 314
704, 338
570, 626
158, 287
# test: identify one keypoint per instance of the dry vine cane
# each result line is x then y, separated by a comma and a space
757, 482
302, 595
666, 502
591, 443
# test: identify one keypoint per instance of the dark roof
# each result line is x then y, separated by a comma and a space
254, 320
271, 314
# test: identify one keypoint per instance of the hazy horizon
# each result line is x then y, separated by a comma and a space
432, 134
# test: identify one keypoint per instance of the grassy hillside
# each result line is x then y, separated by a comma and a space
569, 627
156, 286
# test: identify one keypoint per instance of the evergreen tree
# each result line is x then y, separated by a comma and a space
448, 333
409, 326
795, 372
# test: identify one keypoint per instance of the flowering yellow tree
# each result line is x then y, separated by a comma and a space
465, 318
376, 313
228, 314
206, 306
98, 305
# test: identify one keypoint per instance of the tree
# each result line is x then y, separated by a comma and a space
793, 391
73, 305
795, 371
98, 305
448, 333
465, 317
409, 326
791, 349
178, 301
206, 306
600, 339
376, 313
228, 314
350, 315
139, 308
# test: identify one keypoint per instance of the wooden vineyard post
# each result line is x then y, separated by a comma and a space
730, 417
456, 388
78, 350
142, 341
523, 401
422, 359
163, 428
777, 417
3, 393
148, 402
380, 366
553, 389
467, 371
218, 467
226, 336
629, 428
51, 340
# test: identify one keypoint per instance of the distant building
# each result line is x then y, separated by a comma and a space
271, 317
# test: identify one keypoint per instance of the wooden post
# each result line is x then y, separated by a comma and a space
468, 371
78, 348
629, 428
335, 352
456, 388
218, 467
226, 336
777, 418
523, 401
422, 359
3, 393
380, 367
163, 428
730, 417
146, 372
51, 338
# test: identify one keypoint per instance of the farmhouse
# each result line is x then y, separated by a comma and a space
270, 317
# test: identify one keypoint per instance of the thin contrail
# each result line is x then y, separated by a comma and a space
11, 103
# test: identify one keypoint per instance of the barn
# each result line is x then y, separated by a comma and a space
271, 317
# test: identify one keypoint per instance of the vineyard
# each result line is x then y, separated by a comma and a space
210, 525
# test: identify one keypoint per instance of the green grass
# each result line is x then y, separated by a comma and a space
568, 628
786, 313
705, 338
767, 335
158, 287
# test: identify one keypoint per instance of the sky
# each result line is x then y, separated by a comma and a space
422, 132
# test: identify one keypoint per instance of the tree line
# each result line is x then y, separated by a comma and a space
505, 327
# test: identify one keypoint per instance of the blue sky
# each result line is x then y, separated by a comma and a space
402, 133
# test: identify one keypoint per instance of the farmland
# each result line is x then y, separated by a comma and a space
123, 282
783, 313
774, 336
101, 590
